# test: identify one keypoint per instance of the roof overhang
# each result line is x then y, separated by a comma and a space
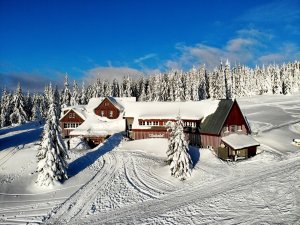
239, 141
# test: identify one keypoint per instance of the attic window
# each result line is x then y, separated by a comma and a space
233, 128
71, 115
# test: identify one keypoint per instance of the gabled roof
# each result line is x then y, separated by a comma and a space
79, 111
214, 122
93, 103
115, 103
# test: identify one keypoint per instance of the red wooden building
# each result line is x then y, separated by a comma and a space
95, 121
70, 120
216, 124
207, 131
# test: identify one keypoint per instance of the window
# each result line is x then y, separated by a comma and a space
71, 125
226, 129
111, 113
240, 128
233, 128
71, 115
102, 113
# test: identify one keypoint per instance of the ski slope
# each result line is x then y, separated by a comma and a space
121, 182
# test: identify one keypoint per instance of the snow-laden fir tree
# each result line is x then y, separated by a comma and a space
52, 155
5, 108
83, 95
36, 109
75, 97
18, 115
66, 95
28, 105
142, 90
178, 152
115, 88
107, 90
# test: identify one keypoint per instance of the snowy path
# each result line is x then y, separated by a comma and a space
181, 198
164, 201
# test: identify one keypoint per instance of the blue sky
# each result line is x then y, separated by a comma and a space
42, 40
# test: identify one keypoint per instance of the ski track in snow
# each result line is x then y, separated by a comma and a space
162, 203
228, 187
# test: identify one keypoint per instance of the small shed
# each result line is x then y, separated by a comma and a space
237, 146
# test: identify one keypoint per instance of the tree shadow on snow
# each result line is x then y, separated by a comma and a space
26, 126
88, 159
195, 154
22, 138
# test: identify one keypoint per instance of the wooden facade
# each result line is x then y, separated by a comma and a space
156, 128
69, 122
228, 153
231, 120
234, 123
107, 109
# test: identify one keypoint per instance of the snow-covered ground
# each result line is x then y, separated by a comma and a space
121, 182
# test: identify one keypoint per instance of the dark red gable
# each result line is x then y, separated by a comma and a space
107, 109
235, 117
71, 116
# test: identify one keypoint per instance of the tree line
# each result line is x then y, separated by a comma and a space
224, 81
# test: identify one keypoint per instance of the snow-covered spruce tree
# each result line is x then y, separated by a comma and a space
36, 109
52, 155
18, 115
83, 97
28, 105
115, 88
66, 95
75, 94
5, 108
178, 152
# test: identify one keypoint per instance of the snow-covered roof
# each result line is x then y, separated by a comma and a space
193, 110
239, 141
78, 109
190, 110
99, 126
93, 103
118, 102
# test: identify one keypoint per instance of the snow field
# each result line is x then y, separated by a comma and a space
122, 182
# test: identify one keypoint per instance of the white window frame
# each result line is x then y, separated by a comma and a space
111, 113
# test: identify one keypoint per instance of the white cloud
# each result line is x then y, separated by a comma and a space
29, 81
145, 57
286, 53
238, 44
249, 46
110, 73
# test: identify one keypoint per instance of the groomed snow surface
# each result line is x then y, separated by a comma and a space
128, 182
